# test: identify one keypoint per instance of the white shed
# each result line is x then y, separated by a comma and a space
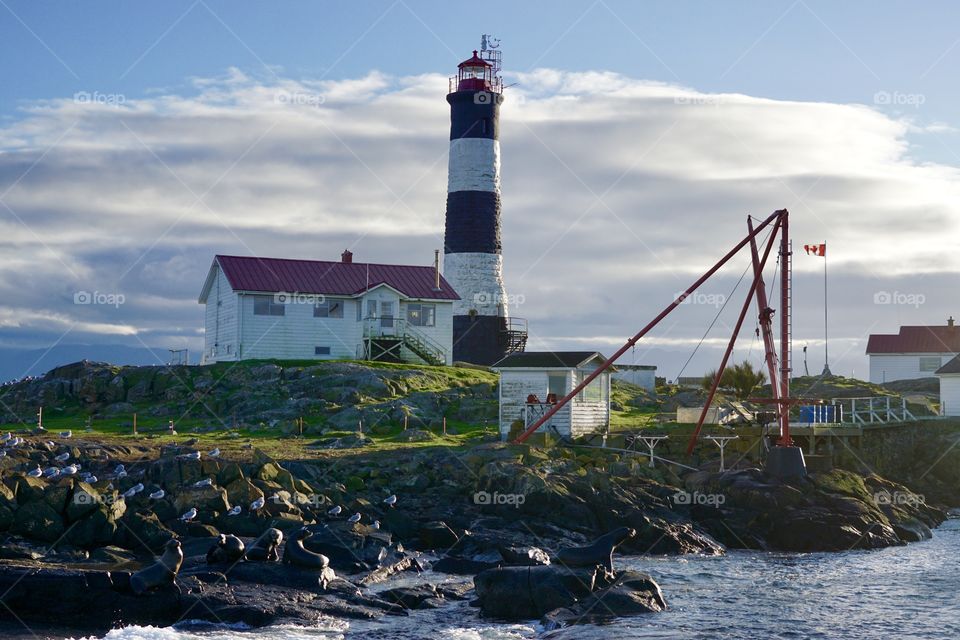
914, 352
531, 382
949, 375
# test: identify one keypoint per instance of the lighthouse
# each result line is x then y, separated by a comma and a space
483, 331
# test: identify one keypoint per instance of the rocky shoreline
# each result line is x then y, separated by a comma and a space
515, 520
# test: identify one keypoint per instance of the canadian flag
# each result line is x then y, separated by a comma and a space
816, 249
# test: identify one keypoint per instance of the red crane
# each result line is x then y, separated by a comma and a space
788, 461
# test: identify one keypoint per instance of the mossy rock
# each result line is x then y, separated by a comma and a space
354, 483
39, 521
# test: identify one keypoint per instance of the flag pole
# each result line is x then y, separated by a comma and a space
826, 347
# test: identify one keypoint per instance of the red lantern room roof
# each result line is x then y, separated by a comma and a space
475, 61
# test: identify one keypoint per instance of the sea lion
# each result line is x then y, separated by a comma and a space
600, 551
265, 548
225, 549
295, 553
161, 573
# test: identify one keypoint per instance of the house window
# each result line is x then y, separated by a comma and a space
328, 309
386, 314
321, 351
267, 306
371, 308
930, 363
422, 315
359, 310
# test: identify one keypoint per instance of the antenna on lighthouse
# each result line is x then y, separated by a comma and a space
489, 51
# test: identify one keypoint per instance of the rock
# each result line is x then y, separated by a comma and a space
143, 531
205, 499
632, 593
527, 557
437, 536
424, 596
39, 521
83, 501
522, 593
98, 527
112, 555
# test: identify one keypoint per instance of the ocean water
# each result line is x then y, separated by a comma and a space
910, 592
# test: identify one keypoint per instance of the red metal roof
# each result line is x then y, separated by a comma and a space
939, 339
475, 61
272, 275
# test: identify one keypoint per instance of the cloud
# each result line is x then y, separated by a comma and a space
616, 192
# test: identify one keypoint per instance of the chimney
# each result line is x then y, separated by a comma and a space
436, 269
950, 321
347, 256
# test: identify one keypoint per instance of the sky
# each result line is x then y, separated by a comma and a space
138, 140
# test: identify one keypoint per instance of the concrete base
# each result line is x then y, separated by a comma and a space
786, 462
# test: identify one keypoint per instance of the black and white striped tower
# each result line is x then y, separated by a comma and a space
473, 263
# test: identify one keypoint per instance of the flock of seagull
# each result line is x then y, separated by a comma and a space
9, 441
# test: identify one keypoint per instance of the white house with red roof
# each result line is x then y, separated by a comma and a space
273, 308
915, 352
949, 375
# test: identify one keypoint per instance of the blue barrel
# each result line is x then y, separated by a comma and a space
817, 413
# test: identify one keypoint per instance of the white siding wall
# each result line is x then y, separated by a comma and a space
220, 321
295, 334
950, 394
890, 367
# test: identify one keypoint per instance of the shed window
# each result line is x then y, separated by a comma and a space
557, 384
321, 351
930, 363
422, 315
328, 309
593, 391
267, 306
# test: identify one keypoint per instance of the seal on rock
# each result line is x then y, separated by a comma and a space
265, 548
225, 549
600, 551
161, 573
294, 552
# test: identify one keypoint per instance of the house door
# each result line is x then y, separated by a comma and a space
387, 324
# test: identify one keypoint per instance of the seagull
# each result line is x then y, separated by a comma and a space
335, 511
51, 472
66, 434
69, 470
137, 488
7, 437
158, 494
35, 473
234, 511
206, 482
63, 457
376, 525
191, 456
390, 500
189, 515
214, 454
91, 479
257, 504
129, 493
355, 518
119, 469
51, 444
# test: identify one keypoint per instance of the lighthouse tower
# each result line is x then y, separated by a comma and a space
473, 264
